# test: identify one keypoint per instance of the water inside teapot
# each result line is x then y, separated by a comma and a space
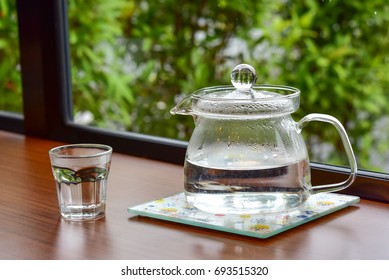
250, 187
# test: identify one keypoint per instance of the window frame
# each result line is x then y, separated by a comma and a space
46, 80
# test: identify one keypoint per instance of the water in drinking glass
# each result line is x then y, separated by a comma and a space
81, 193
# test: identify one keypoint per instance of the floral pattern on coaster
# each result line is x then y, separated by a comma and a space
175, 209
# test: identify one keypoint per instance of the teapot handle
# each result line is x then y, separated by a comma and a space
347, 146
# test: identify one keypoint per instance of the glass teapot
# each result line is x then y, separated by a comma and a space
246, 154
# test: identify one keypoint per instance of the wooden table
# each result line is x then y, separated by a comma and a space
31, 228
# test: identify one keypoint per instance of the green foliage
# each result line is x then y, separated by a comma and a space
133, 60
100, 82
10, 80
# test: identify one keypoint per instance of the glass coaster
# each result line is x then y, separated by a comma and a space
176, 209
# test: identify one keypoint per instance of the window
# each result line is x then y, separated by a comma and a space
46, 70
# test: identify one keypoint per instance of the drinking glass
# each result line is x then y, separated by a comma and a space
81, 172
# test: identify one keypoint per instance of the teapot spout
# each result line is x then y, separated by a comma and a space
184, 107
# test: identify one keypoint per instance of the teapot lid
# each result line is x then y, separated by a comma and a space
243, 99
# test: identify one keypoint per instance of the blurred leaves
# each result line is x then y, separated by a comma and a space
133, 60
10, 80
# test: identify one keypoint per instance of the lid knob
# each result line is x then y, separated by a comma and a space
243, 77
